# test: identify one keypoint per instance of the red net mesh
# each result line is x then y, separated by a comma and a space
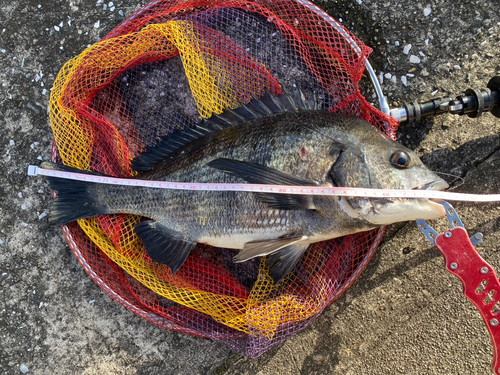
166, 67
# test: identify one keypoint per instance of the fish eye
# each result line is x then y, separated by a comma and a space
400, 159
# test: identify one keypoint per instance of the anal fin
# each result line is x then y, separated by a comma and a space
254, 249
284, 261
283, 254
164, 245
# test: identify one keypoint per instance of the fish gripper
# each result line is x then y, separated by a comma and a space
479, 280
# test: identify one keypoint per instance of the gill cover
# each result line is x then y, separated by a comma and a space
351, 170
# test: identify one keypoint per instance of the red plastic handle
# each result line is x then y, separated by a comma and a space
480, 282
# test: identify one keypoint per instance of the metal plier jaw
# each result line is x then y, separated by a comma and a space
454, 221
479, 280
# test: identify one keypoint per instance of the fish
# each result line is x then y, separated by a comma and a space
277, 140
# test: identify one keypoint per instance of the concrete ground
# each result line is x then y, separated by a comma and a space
404, 315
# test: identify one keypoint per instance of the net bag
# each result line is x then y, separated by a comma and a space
166, 67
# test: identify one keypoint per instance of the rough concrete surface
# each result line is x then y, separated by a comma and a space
404, 315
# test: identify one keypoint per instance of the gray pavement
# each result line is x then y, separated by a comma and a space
404, 315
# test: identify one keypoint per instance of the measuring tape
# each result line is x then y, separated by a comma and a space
275, 189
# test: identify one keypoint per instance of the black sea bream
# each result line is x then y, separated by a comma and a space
272, 140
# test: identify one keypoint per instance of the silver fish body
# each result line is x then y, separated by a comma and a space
301, 147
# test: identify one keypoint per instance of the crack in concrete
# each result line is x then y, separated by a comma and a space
476, 164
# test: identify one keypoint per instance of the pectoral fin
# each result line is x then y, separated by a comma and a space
164, 245
260, 174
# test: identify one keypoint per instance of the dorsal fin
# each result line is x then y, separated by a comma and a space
265, 106
172, 142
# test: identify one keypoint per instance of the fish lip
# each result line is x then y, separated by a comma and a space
433, 185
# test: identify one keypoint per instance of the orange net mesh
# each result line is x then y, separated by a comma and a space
166, 67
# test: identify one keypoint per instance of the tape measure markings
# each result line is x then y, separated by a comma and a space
275, 189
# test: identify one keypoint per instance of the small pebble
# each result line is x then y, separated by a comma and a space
403, 80
414, 59
97, 24
12, 143
24, 369
427, 11
406, 49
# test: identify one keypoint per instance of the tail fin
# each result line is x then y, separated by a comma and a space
74, 199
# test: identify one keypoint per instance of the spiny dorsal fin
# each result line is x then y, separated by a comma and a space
171, 143
265, 106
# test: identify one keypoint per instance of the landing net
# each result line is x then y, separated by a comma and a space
166, 67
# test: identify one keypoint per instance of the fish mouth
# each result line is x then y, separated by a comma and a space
383, 211
433, 185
